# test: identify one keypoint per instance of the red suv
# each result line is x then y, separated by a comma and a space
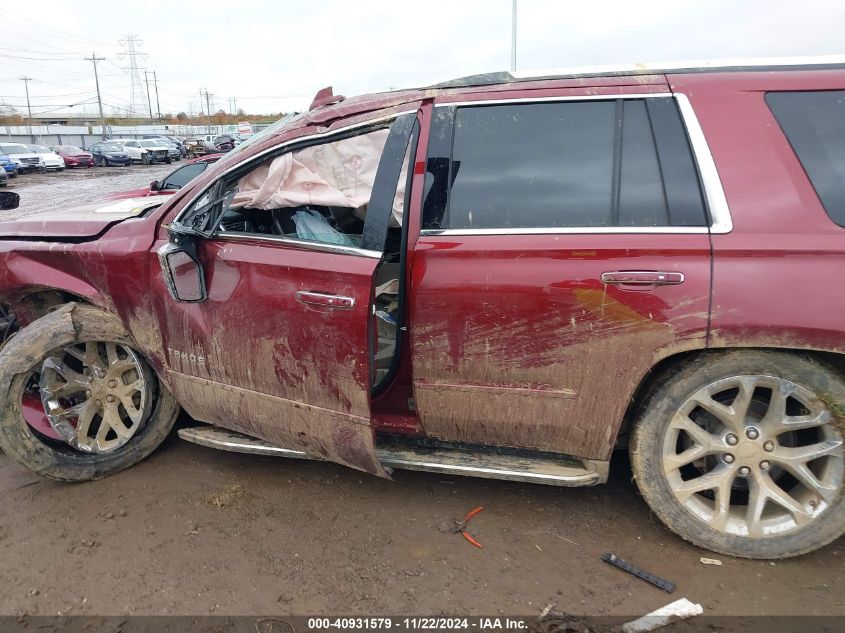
502, 276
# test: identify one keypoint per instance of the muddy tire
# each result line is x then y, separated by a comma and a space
741, 452
78, 327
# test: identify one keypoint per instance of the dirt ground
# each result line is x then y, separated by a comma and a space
197, 531
52, 191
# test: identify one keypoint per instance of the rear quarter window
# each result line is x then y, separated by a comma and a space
814, 125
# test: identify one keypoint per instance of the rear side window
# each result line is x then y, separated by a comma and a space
814, 124
623, 162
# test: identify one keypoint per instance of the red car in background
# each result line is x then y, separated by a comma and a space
173, 182
74, 156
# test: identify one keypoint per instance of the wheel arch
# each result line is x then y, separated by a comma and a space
665, 366
20, 308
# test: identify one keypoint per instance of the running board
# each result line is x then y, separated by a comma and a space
539, 468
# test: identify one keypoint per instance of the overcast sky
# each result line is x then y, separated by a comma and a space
273, 56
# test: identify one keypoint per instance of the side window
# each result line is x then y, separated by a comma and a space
348, 191
623, 162
183, 176
814, 124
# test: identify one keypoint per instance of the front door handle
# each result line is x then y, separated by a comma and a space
334, 302
642, 278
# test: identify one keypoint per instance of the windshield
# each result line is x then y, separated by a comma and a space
40, 149
69, 148
151, 144
111, 147
15, 149
260, 136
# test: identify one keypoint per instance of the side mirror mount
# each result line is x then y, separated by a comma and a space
154, 185
9, 200
182, 270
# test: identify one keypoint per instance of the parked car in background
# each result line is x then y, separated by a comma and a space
23, 157
74, 156
52, 161
108, 153
145, 151
8, 166
224, 143
171, 183
4, 179
196, 146
508, 276
173, 140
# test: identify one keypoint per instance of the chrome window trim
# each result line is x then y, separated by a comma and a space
283, 146
714, 194
317, 246
572, 230
604, 97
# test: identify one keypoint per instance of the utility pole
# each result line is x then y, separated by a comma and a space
149, 101
208, 109
26, 81
513, 37
158, 105
94, 59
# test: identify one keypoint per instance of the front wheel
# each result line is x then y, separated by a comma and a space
77, 401
145, 159
741, 452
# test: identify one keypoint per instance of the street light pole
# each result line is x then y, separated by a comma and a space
513, 37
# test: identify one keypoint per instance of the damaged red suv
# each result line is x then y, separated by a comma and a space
505, 276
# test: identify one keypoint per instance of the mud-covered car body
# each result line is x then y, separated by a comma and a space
518, 334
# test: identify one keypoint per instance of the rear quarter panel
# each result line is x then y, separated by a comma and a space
777, 274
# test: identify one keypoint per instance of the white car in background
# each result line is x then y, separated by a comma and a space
50, 158
23, 157
145, 151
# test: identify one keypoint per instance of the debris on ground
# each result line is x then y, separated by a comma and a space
453, 526
227, 497
710, 561
673, 612
613, 559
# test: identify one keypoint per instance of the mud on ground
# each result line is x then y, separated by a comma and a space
196, 531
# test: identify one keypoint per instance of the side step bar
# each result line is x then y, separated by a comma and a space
540, 468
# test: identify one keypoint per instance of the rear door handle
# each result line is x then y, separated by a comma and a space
335, 302
642, 278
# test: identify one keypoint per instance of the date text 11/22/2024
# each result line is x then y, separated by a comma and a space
418, 623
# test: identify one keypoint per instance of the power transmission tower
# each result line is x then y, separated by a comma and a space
26, 81
132, 44
94, 59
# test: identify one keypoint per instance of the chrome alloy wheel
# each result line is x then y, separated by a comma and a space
96, 395
754, 456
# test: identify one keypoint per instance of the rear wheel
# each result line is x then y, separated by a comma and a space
102, 409
742, 453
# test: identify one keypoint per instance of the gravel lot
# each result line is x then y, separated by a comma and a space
196, 531
74, 187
